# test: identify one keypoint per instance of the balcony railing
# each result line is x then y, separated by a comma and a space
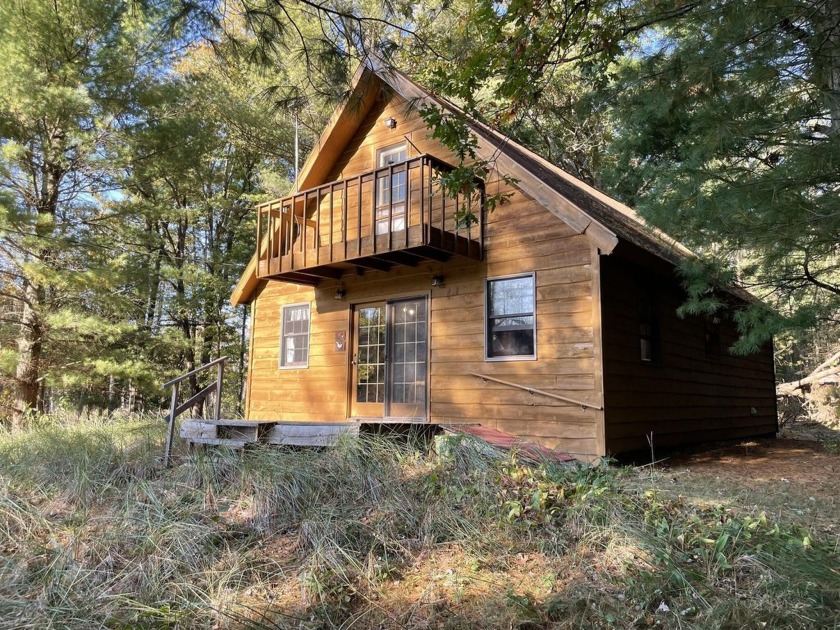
393, 215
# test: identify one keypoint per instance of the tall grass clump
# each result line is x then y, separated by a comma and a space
375, 532
81, 459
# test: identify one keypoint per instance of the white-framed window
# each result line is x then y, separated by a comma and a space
390, 189
294, 336
510, 318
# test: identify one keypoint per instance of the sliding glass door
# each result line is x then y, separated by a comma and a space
390, 359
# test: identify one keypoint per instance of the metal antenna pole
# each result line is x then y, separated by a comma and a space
297, 150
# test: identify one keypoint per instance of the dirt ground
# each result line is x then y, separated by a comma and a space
792, 478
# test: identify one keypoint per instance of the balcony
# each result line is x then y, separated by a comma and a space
395, 215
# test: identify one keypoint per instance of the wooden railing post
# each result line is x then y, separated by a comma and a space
317, 238
482, 220
259, 238
291, 249
303, 227
390, 207
170, 430
271, 227
344, 214
423, 237
220, 373
373, 209
470, 214
407, 204
359, 219
332, 220
443, 206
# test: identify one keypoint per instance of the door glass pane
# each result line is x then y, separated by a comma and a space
408, 370
370, 362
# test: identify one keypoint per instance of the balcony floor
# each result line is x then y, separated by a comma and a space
380, 253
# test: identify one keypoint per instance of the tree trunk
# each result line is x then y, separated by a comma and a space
827, 57
199, 410
825, 372
152, 306
29, 354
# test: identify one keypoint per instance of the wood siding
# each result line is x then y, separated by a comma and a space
520, 237
690, 393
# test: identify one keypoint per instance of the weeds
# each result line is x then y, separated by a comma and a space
376, 532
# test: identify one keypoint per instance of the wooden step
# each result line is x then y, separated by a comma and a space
245, 431
239, 433
310, 433
218, 442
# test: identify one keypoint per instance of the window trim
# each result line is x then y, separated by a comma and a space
382, 207
390, 149
301, 365
518, 357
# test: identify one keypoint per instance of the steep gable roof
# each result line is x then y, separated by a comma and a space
585, 209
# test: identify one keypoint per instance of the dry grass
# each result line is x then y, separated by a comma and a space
379, 533
790, 480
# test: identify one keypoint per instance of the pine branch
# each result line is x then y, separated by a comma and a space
361, 19
816, 282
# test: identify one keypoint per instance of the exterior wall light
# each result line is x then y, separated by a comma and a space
437, 281
340, 294
391, 122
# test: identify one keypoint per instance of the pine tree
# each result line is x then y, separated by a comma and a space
728, 125
71, 75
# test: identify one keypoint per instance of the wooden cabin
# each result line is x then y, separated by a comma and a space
553, 318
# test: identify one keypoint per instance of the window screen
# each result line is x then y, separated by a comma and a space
294, 350
511, 322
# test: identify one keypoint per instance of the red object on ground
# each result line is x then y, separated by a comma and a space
508, 442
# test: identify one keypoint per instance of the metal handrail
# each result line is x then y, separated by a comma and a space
178, 379
175, 409
532, 390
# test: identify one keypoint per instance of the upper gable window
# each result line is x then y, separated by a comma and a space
392, 155
294, 336
511, 324
390, 189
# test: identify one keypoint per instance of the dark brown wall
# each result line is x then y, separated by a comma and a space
688, 395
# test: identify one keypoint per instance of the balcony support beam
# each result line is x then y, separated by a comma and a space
328, 273
372, 263
432, 254
298, 278
405, 258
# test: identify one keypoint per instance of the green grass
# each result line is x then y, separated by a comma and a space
376, 532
